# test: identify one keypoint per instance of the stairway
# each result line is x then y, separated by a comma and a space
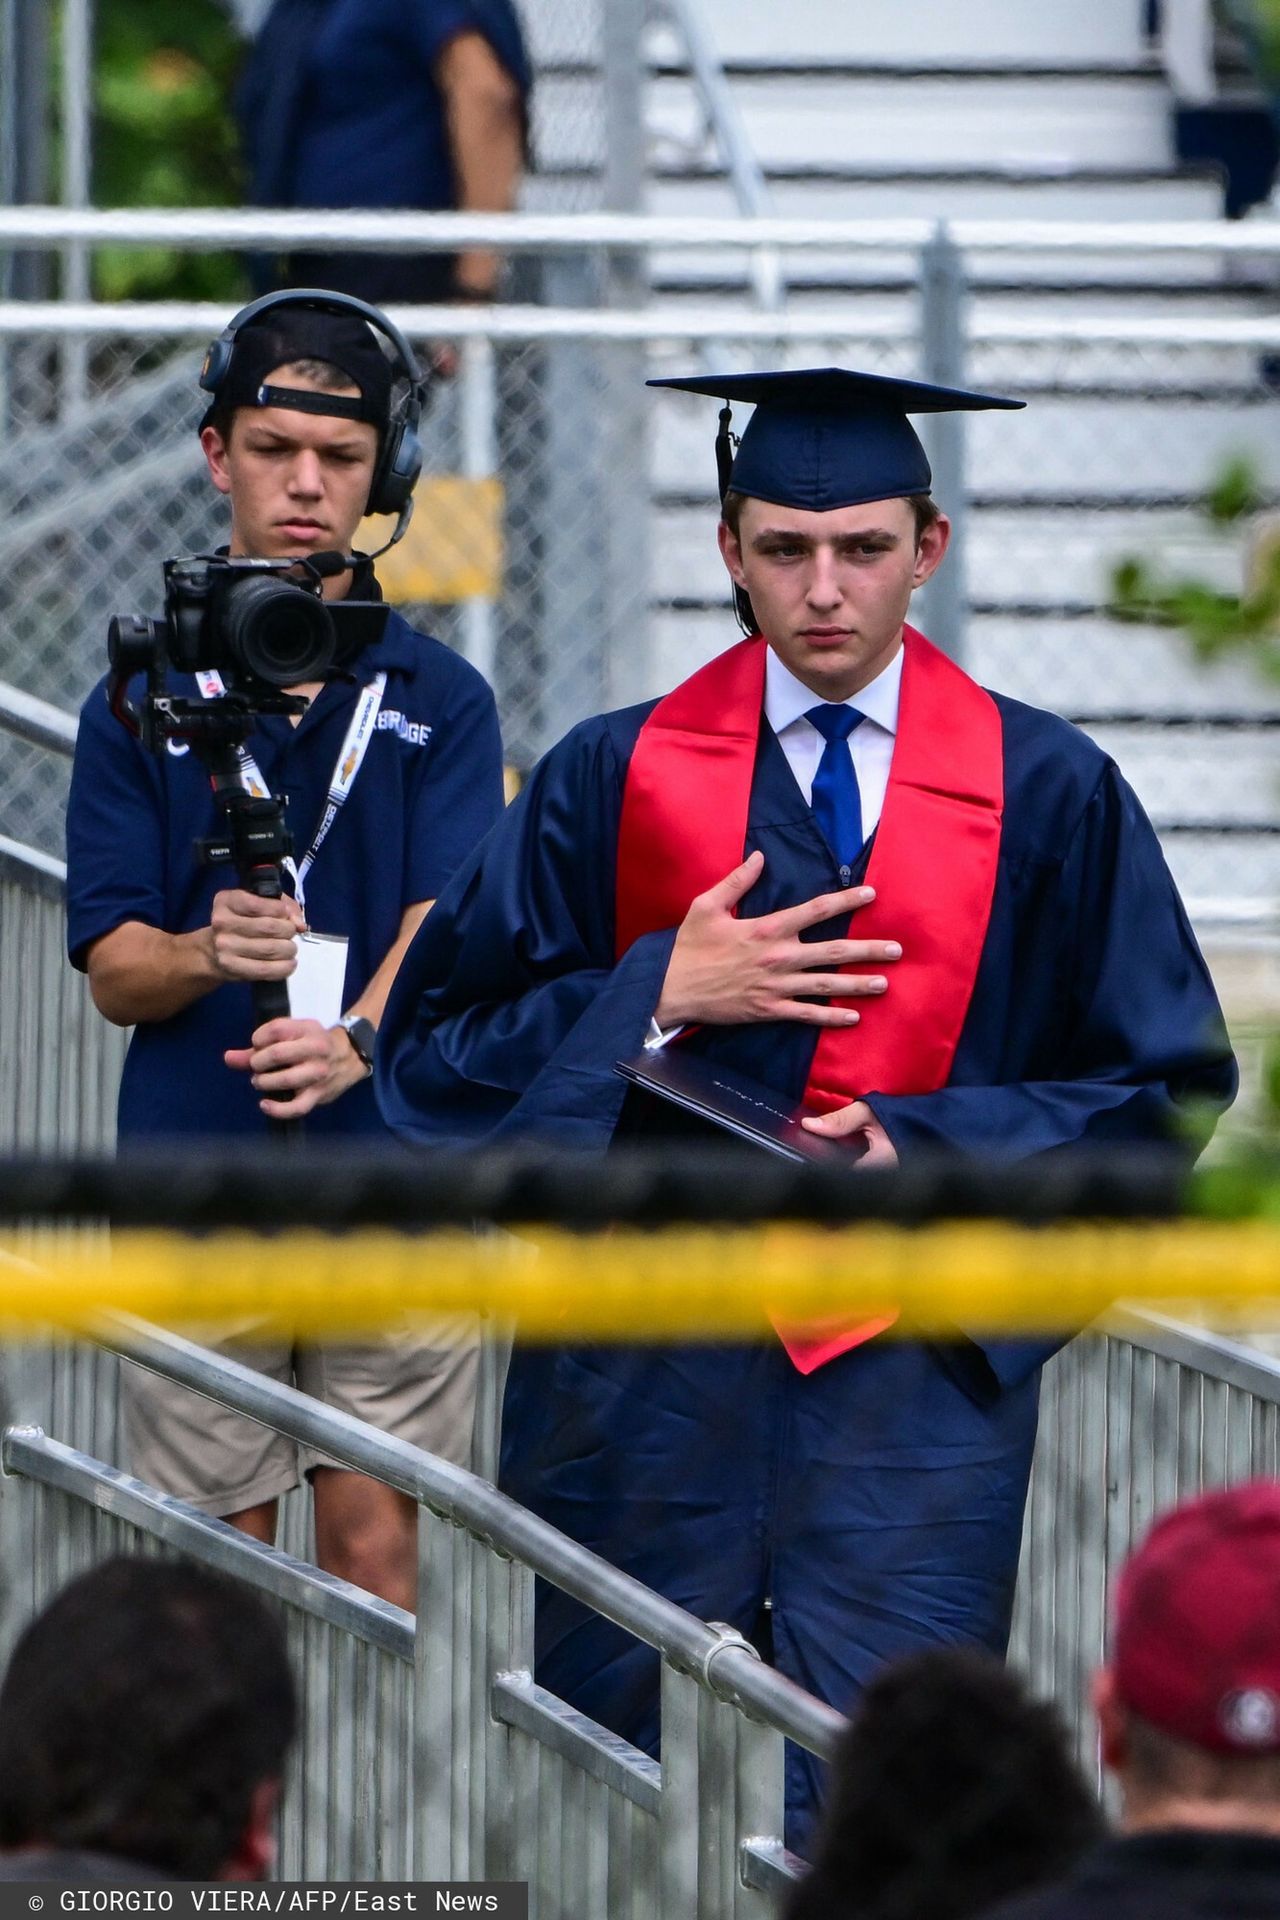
1060, 111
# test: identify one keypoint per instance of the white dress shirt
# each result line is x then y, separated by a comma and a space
787, 700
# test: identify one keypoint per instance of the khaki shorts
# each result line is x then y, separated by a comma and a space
417, 1382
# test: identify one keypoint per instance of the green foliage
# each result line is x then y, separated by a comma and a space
1245, 1186
164, 136
1265, 17
1271, 1076
1235, 493
1216, 623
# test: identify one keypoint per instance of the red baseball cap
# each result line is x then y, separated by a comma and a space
1196, 1639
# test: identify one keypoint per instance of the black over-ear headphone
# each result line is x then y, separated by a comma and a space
400, 450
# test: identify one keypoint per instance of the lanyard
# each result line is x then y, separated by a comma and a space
350, 759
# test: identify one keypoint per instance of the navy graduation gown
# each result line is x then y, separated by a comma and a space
876, 1504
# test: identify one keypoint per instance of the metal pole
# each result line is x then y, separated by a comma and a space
24, 131
26, 54
9, 95
477, 405
944, 605
77, 109
750, 188
622, 81
24, 1373
572, 510
8, 167
623, 413
588, 405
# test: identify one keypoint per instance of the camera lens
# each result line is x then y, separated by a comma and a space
278, 632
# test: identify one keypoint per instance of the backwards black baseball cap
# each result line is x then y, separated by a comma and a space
283, 334
826, 437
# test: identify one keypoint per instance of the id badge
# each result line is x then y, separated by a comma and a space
316, 984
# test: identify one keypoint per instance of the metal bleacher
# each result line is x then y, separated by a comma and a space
440, 1754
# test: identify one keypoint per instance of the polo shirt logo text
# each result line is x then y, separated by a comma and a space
416, 732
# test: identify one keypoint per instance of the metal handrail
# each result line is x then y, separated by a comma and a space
472, 1503
200, 229
745, 171
161, 318
530, 323
746, 176
1212, 1353
50, 873
466, 1500
29, 1450
43, 724
113, 489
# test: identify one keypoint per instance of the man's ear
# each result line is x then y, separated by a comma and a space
215, 453
254, 1854
930, 548
731, 553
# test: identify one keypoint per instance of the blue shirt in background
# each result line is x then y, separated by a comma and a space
339, 107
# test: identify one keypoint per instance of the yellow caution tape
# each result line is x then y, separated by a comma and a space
680, 1283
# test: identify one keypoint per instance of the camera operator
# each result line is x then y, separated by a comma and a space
388, 777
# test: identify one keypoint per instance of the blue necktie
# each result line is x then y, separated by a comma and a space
837, 804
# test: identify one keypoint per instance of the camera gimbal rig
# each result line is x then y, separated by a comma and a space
261, 630
261, 626
256, 843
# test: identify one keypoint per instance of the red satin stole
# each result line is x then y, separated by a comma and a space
933, 866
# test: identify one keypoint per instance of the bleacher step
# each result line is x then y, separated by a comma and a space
936, 32
962, 194
949, 121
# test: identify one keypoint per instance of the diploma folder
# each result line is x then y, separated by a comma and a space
737, 1105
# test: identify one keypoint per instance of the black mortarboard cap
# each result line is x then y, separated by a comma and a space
824, 438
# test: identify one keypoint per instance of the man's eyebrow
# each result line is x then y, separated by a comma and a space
859, 538
284, 438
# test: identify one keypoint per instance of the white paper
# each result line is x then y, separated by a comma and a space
315, 986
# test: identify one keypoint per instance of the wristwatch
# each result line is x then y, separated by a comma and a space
363, 1036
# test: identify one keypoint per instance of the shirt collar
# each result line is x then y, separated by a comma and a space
786, 699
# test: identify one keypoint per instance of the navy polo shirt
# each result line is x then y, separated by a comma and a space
371, 127
430, 787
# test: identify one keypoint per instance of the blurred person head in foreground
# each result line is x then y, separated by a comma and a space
144, 1721
1188, 1712
952, 1788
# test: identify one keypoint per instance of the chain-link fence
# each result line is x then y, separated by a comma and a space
518, 554
1124, 441
565, 531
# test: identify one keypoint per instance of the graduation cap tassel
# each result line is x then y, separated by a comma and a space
725, 445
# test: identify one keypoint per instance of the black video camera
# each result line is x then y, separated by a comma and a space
261, 625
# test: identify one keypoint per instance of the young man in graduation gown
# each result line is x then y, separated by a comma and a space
939, 918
